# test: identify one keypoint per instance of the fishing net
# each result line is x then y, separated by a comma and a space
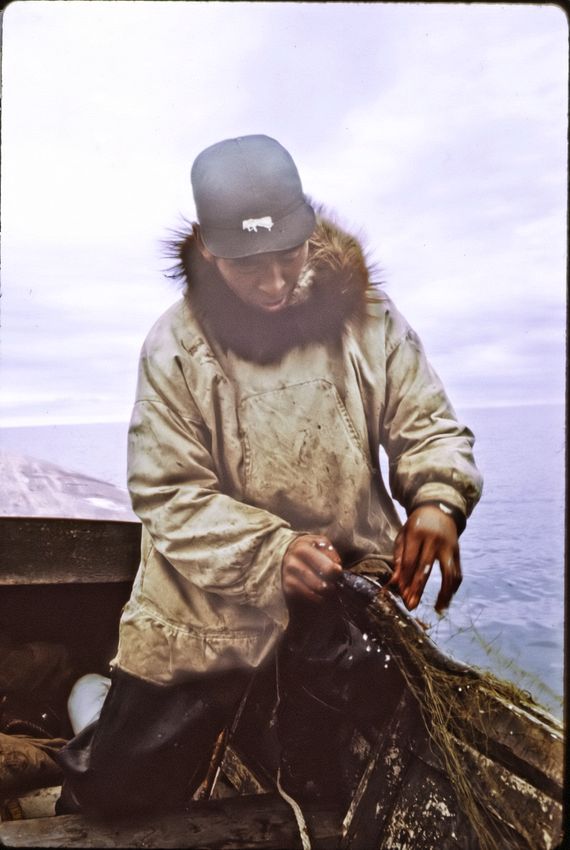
461, 708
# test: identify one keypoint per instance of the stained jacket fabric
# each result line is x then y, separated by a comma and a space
234, 451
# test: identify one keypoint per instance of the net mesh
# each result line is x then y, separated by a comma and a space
460, 707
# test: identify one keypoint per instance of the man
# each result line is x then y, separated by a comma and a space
263, 398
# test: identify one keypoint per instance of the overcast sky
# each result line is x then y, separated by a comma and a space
437, 131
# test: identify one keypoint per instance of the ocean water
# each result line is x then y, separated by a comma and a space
508, 615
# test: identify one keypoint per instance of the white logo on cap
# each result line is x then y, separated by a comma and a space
251, 224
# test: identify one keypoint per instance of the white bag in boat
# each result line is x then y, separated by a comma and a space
86, 700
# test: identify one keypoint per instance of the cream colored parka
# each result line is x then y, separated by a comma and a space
247, 432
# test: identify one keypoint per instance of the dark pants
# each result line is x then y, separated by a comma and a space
152, 744
150, 747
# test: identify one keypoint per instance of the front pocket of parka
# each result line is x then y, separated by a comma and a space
304, 460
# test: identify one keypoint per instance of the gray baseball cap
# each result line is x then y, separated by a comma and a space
249, 198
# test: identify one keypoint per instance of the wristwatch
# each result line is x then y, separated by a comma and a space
456, 515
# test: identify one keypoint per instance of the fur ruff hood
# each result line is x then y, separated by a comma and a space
333, 289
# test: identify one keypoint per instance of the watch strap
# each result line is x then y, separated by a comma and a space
455, 513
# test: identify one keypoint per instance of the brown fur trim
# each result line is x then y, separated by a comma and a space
333, 290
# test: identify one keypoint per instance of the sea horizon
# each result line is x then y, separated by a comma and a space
114, 419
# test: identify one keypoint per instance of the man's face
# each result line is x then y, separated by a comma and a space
264, 281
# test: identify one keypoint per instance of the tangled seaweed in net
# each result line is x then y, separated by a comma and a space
458, 705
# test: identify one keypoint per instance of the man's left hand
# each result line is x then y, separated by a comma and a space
429, 535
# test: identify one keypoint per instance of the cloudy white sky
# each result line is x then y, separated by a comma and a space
438, 131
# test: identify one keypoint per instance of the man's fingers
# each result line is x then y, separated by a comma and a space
301, 573
421, 571
318, 554
295, 588
326, 548
451, 579
405, 553
458, 573
405, 572
311, 567
428, 536
414, 593
324, 566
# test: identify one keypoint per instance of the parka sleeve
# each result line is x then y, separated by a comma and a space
430, 453
215, 541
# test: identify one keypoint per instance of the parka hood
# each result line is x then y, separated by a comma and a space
333, 289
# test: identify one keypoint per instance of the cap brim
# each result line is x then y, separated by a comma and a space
288, 232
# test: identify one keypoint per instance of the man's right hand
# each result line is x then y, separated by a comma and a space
311, 565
